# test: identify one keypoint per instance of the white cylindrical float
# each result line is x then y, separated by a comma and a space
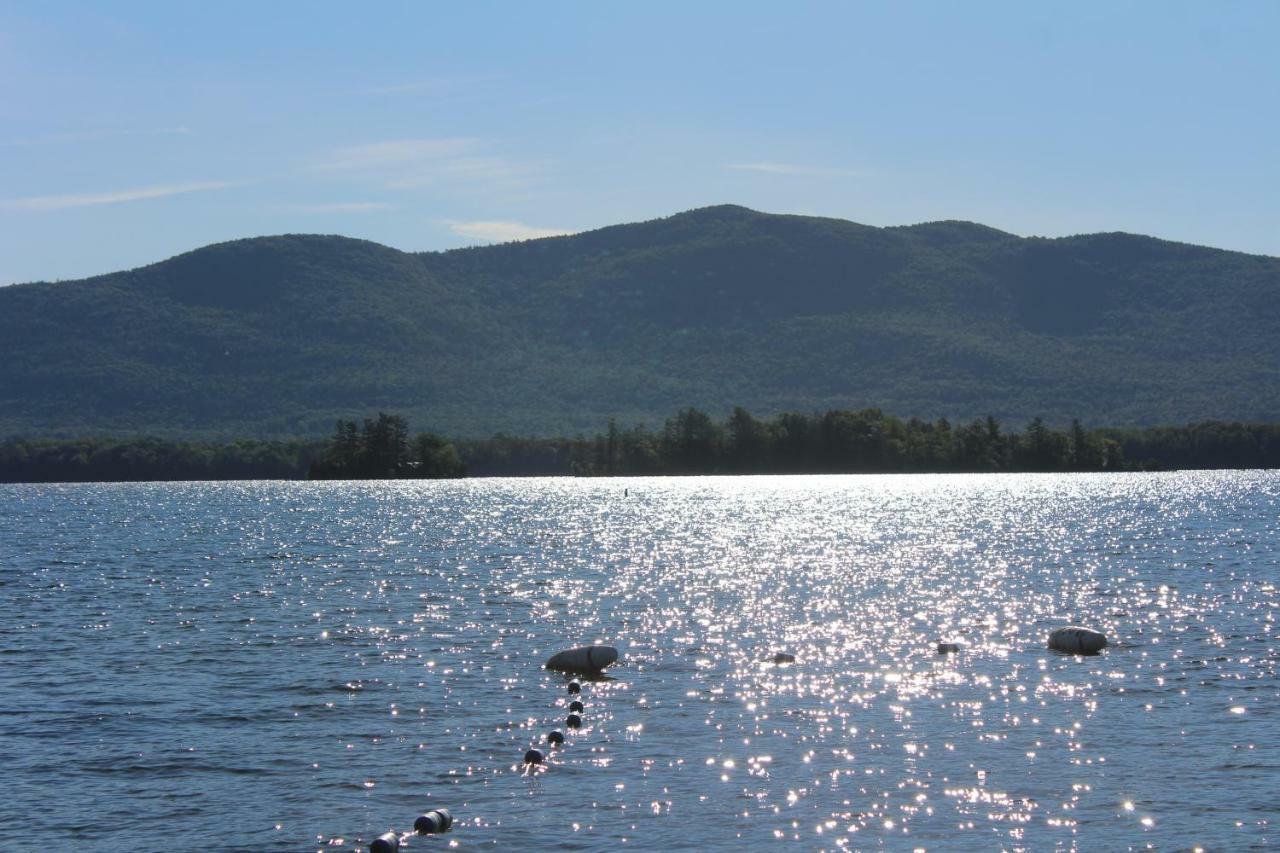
1075, 640
584, 660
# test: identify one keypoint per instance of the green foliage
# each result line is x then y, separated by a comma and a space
142, 459
381, 450
690, 442
870, 441
281, 336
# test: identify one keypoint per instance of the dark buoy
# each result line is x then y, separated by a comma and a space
948, 648
387, 842
573, 721
575, 687
533, 756
556, 737
1075, 640
576, 707
783, 657
436, 820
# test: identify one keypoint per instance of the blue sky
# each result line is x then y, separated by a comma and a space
130, 132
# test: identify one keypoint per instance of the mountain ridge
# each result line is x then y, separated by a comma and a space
714, 307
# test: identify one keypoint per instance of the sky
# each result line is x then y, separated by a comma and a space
133, 131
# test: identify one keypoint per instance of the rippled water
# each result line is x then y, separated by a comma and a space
292, 666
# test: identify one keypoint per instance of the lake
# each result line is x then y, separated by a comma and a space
298, 666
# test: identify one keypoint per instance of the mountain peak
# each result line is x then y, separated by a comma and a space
944, 232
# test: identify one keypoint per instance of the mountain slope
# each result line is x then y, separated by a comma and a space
715, 307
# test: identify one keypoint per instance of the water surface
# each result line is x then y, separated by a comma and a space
291, 666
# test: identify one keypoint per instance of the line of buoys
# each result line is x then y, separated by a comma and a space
583, 660
436, 820
1075, 640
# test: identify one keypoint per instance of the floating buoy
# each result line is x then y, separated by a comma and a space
533, 756
1075, 640
584, 660
574, 687
436, 820
387, 842
783, 657
555, 738
948, 648
573, 721
576, 707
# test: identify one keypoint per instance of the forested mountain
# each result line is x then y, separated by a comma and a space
717, 307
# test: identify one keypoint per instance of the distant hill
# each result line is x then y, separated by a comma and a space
722, 306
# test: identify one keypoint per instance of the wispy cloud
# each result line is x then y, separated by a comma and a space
83, 135
433, 85
402, 164
59, 202
795, 169
468, 170
394, 153
343, 207
499, 231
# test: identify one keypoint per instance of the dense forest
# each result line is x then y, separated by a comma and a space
382, 450
105, 460
278, 337
689, 442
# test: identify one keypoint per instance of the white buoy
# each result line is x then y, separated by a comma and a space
584, 660
1075, 640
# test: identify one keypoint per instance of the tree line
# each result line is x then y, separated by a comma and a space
106, 460
689, 442
866, 441
381, 449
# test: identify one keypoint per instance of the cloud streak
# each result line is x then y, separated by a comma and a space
343, 207
795, 169
62, 202
501, 231
83, 135
434, 85
405, 164
394, 153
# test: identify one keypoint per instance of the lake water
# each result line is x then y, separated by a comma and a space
294, 666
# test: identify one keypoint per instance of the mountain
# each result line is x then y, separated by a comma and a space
716, 307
